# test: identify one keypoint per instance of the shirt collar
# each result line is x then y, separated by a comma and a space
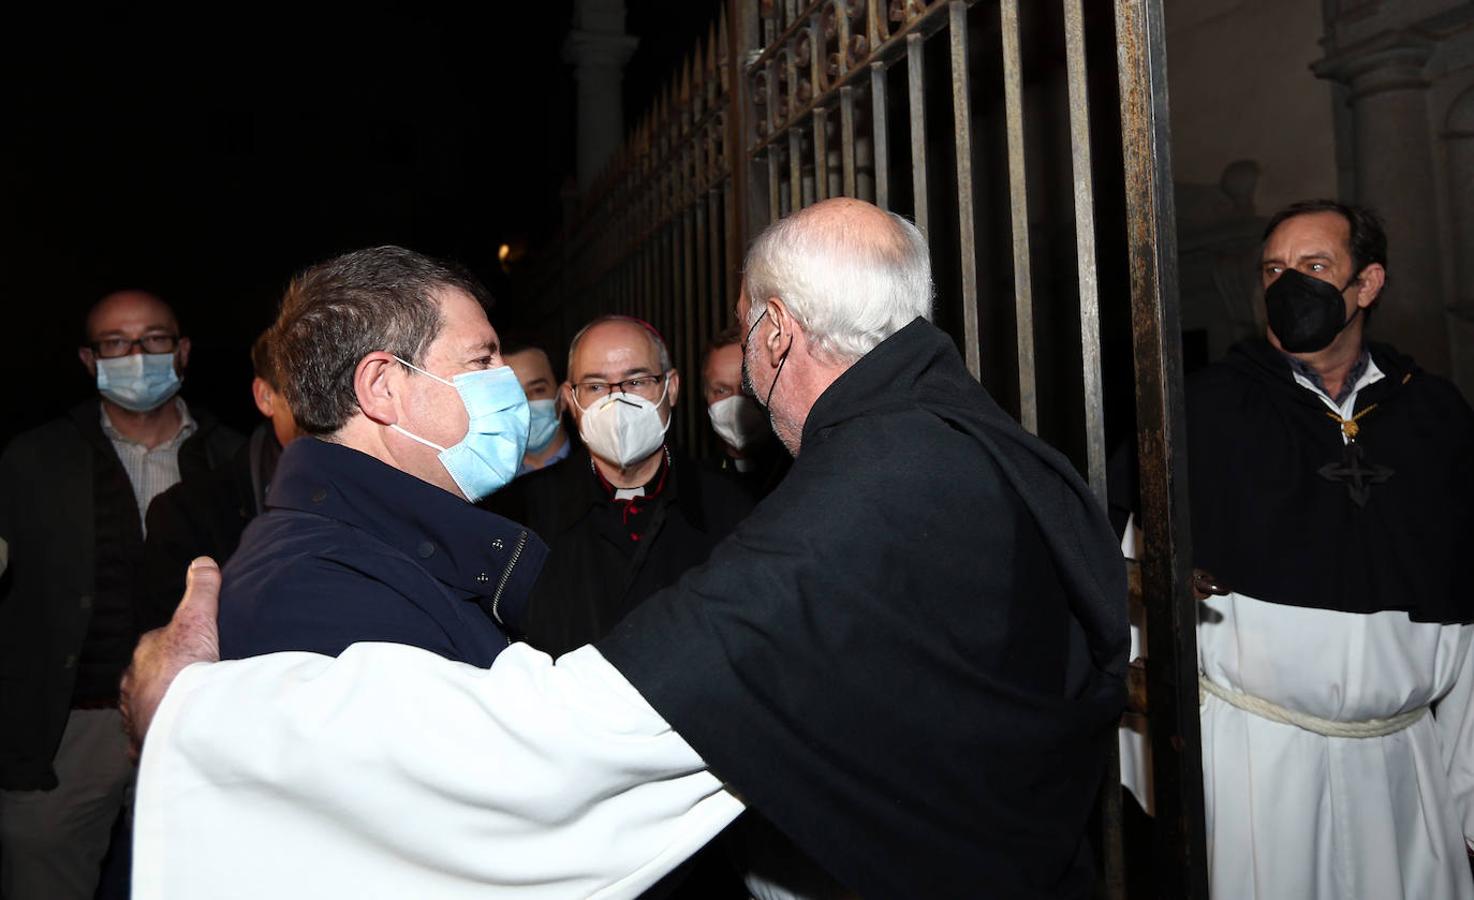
580, 495
648, 491
558, 456
1360, 370
460, 544
187, 427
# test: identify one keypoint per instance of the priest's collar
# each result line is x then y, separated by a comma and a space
651, 488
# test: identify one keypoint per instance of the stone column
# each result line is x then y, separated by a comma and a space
598, 48
1458, 137
1393, 150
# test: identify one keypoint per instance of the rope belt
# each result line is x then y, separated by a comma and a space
1264, 709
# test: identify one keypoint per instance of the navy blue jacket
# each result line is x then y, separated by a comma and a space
351, 549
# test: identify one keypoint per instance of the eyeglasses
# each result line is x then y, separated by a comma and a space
647, 386
111, 348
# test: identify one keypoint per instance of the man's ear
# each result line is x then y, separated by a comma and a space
264, 396
673, 391
375, 381
565, 398
1369, 285
183, 353
89, 362
780, 338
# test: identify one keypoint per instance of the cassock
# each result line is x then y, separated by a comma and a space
910, 659
1338, 673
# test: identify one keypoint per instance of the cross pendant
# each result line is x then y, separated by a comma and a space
1357, 477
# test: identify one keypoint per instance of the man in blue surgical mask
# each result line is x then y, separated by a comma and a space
72, 497
547, 439
409, 415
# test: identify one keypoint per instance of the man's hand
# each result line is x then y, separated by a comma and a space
190, 637
1205, 586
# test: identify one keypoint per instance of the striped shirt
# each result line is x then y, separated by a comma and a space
150, 471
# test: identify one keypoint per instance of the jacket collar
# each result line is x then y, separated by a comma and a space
87, 416
459, 544
889, 376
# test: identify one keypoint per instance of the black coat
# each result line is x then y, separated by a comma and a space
205, 516
48, 521
910, 657
1268, 522
351, 549
769, 463
588, 583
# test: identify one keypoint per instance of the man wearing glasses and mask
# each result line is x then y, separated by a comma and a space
73, 493
626, 516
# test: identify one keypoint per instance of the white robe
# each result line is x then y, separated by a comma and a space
1296, 815
391, 772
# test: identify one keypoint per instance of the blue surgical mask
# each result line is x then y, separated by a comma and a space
139, 381
487, 458
543, 416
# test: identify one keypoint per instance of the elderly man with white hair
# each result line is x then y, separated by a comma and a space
909, 658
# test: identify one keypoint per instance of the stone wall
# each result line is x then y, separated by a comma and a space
1368, 100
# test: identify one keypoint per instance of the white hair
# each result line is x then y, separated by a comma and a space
850, 285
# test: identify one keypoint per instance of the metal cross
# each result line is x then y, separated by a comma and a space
1357, 477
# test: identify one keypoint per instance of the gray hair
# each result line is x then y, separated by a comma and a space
337, 312
850, 287
656, 341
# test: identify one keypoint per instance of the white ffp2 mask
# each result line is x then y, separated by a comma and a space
739, 421
623, 428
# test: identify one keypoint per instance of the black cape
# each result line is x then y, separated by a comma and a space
1268, 524
910, 657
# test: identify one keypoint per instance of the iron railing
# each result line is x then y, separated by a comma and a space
784, 103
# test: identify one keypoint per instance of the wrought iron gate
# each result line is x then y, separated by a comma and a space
944, 110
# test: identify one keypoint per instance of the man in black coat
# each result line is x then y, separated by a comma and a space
72, 496
205, 516
910, 657
747, 452
624, 515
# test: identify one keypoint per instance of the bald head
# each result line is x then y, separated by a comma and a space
845, 218
851, 273
624, 331
124, 324
129, 314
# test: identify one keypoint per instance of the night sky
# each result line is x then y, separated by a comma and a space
208, 156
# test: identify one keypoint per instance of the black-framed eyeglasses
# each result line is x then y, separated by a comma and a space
647, 386
111, 348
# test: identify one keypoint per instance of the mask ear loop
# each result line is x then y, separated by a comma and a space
410, 365
781, 363
415, 437
407, 433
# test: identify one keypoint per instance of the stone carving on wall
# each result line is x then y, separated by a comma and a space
1218, 238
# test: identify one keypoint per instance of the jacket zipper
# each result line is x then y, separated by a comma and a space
501, 585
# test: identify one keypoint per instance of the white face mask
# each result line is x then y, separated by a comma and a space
739, 421
623, 428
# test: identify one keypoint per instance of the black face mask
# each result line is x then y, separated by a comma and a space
1306, 313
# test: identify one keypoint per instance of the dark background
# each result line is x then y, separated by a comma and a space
207, 155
